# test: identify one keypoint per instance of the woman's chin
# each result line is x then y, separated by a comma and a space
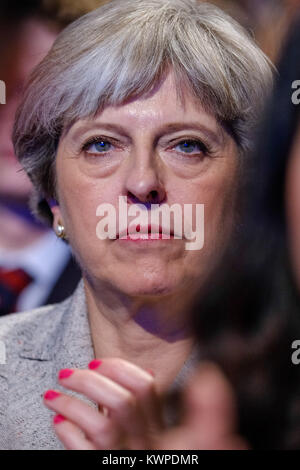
147, 287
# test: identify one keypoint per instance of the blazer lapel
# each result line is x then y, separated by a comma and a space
58, 339
63, 336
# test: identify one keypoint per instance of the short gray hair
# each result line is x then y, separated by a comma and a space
122, 50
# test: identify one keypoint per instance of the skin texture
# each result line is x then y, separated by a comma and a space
138, 294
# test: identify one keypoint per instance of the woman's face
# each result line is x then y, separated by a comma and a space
155, 150
293, 205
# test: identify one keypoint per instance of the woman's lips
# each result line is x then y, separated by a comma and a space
145, 237
146, 234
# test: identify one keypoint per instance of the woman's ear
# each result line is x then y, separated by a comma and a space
56, 215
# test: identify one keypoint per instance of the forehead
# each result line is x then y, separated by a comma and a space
162, 107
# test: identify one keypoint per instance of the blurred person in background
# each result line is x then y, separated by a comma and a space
248, 315
35, 267
267, 20
271, 22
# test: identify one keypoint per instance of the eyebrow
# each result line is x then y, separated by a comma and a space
216, 137
89, 126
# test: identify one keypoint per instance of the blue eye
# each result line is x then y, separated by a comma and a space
98, 146
191, 146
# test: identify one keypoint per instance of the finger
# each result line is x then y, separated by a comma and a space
101, 430
122, 404
138, 381
209, 402
70, 435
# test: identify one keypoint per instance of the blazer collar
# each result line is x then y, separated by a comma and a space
62, 333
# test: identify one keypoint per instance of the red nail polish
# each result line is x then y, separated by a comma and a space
65, 373
51, 394
58, 419
94, 364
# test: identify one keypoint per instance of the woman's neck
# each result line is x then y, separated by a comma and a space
153, 334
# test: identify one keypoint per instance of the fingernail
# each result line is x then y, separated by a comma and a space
94, 364
51, 394
58, 419
64, 373
150, 371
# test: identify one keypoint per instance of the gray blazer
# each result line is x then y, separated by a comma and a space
38, 344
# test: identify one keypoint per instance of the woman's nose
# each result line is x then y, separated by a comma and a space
144, 185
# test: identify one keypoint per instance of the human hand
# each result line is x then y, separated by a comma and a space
134, 419
209, 419
129, 405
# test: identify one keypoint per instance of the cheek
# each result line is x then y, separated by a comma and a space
217, 192
79, 198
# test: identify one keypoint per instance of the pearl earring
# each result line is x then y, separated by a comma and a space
60, 230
